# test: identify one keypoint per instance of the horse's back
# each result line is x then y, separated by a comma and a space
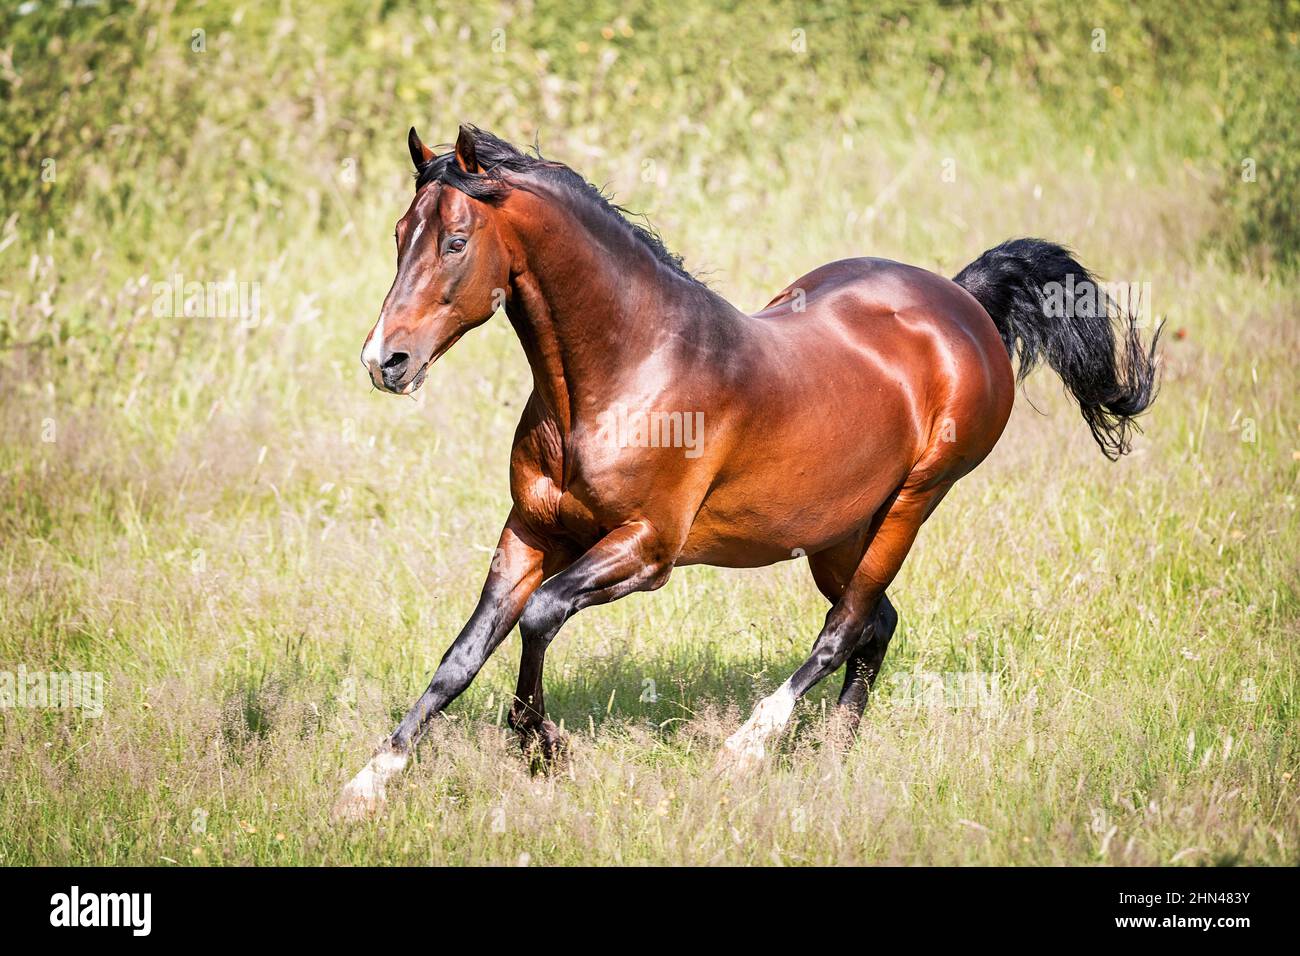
865, 376
855, 288
908, 319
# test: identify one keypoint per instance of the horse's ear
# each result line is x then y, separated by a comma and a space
466, 157
420, 154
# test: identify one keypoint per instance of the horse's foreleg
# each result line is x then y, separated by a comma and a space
844, 630
540, 738
630, 558
515, 574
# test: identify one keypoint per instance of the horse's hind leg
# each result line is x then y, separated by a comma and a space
832, 570
846, 622
864, 663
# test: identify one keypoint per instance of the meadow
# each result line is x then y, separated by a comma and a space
1096, 662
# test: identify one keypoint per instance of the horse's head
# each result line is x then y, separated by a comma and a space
452, 267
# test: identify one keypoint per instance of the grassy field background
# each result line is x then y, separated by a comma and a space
265, 558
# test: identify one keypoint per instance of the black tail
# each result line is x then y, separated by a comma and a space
1042, 298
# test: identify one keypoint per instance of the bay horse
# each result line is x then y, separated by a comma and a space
668, 428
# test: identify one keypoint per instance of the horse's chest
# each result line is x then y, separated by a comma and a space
580, 489
551, 511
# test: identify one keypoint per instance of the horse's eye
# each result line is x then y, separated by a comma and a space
455, 244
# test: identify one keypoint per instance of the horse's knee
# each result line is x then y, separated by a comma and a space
543, 616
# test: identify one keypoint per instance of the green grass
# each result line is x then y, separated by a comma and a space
266, 558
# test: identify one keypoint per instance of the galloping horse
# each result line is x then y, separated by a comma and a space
667, 428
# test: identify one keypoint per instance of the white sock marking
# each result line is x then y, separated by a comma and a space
769, 717
365, 791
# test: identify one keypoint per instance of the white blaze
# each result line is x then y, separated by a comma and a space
375, 347
373, 354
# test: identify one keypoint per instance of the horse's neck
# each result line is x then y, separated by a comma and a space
589, 310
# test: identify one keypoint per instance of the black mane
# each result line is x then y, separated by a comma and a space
496, 156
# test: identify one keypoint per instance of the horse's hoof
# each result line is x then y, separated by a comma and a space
744, 751
363, 796
354, 806
841, 730
739, 757
545, 747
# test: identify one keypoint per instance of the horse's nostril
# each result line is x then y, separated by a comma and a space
395, 361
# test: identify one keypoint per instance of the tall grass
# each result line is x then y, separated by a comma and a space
266, 559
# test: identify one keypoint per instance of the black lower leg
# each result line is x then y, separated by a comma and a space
839, 636
458, 667
540, 739
864, 663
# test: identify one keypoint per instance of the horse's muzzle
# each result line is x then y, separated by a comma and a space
393, 370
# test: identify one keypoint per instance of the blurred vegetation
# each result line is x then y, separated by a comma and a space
144, 115
265, 557
1261, 132
133, 96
